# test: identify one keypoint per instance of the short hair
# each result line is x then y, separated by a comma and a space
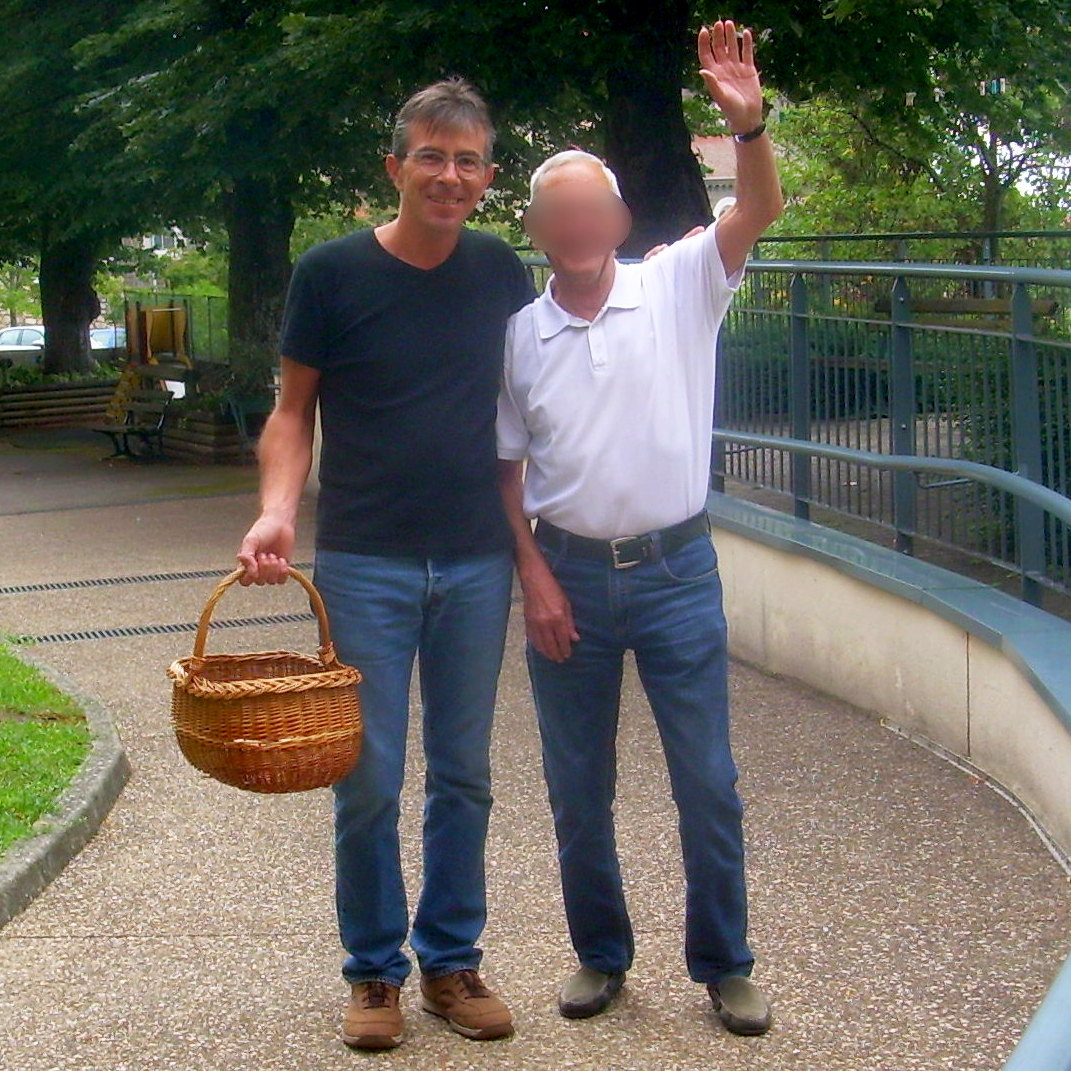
449, 104
570, 156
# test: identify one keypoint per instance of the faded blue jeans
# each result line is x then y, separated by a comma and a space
383, 613
669, 612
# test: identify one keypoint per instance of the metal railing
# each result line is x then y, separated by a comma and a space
207, 320
819, 360
1039, 248
879, 373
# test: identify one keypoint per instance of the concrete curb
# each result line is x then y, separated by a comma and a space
31, 864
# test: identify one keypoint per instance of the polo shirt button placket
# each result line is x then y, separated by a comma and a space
597, 346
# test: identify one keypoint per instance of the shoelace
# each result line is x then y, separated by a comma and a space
473, 986
375, 996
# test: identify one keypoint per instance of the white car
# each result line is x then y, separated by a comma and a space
26, 337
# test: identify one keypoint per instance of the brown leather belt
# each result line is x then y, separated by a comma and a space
628, 551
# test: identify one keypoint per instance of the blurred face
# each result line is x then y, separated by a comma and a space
576, 217
442, 175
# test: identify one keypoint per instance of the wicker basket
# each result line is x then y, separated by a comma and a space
269, 722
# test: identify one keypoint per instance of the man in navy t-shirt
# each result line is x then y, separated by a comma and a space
397, 333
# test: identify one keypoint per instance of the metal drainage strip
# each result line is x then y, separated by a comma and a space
164, 630
117, 581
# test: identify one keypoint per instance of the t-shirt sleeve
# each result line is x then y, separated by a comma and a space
522, 289
303, 335
510, 429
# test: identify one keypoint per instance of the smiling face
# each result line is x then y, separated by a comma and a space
444, 201
576, 218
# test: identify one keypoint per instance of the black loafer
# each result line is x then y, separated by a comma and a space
741, 1006
588, 992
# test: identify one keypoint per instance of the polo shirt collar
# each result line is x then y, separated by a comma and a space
551, 318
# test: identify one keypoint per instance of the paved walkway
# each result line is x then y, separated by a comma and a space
904, 916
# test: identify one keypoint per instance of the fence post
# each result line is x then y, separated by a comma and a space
1026, 443
902, 407
717, 446
799, 395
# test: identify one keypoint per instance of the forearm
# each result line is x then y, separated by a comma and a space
759, 200
511, 485
285, 457
548, 617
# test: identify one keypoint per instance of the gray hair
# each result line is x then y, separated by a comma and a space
570, 156
449, 104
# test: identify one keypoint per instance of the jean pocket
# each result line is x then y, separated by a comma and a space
696, 560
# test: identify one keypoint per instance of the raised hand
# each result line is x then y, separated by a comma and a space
727, 66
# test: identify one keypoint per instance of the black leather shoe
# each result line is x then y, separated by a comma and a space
741, 1006
588, 992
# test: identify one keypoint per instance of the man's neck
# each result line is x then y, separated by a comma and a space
583, 294
418, 246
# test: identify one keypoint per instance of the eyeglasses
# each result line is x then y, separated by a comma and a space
433, 162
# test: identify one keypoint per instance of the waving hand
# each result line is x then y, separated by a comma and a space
727, 66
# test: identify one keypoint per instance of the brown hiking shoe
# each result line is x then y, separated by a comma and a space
373, 1019
467, 1005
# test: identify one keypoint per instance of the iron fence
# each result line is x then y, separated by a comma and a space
207, 320
928, 361
1040, 248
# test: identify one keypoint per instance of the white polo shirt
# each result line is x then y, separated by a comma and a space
614, 415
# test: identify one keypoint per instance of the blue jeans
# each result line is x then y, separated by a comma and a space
669, 612
383, 612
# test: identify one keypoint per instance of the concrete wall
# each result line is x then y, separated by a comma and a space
961, 685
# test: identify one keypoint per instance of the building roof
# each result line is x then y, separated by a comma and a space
718, 155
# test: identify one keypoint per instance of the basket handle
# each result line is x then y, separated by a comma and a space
327, 650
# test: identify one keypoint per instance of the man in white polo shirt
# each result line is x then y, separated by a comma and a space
609, 394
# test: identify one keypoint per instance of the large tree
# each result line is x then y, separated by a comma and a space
55, 206
235, 119
256, 109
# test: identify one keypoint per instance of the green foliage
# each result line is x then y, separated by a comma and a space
20, 296
43, 740
948, 143
843, 173
142, 113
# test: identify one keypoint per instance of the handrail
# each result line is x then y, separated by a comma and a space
981, 272
877, 236
1046, 1043
1012, 482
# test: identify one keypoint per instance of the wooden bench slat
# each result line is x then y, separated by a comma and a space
138, 405
971, 306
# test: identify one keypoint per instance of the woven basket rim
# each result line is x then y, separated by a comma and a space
187, 676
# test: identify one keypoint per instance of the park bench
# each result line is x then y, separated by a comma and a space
138, 417
993, 313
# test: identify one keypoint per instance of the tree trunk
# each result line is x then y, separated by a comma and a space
69, 304
648, 144
993, 192
259, 219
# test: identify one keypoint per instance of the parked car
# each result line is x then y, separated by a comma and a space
26, 337
107, 338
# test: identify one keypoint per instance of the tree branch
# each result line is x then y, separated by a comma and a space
925, 165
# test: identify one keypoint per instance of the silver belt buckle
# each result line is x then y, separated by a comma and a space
616, 546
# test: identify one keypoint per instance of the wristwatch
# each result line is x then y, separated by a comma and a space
751, 135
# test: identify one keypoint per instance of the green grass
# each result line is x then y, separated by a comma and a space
43, 740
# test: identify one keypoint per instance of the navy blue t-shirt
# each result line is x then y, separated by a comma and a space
410, 364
